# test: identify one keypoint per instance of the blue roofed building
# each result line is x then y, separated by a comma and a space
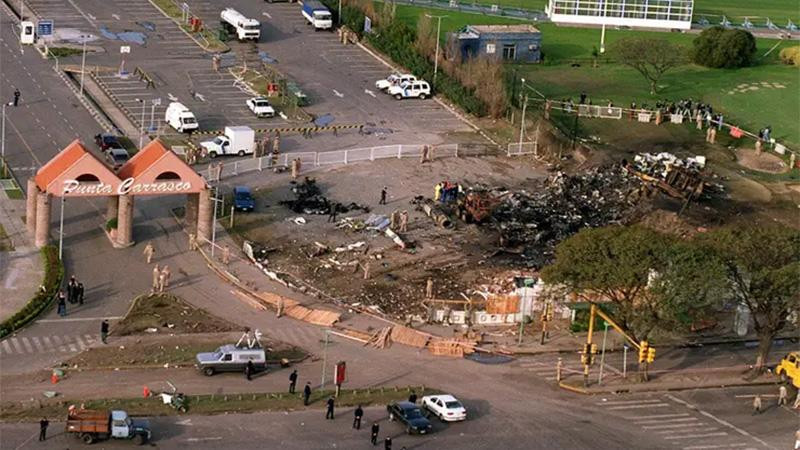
518, 43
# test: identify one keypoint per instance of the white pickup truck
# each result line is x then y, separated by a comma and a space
394, 79
244, 28
236, 141
411, 89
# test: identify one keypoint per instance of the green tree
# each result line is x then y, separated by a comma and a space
762, 264
719, 47
654, 280
650, 57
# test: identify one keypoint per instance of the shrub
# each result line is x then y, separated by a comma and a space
720, 47
791, 55
111, 224
53, 274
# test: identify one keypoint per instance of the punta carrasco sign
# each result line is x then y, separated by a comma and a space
128, 186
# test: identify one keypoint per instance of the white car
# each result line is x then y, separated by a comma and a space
394, 79
411, 89
261, 107
446, 407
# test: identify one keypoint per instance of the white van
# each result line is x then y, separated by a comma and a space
180, 118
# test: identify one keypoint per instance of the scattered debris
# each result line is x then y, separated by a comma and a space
309, 200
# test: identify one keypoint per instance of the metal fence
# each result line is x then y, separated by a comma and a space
314, 160
602, 112
485, 7
522, 148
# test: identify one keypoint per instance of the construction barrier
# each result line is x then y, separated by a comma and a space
304, 129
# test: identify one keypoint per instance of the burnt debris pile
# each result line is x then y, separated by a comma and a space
308, 199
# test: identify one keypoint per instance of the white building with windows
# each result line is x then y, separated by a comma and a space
665, 14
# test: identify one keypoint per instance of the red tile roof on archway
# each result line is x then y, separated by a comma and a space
73, 161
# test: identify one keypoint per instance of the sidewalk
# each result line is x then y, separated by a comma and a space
21, 270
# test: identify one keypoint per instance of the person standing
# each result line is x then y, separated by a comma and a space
43, 424
383, 196
387, 443
797, 401
156, 275
307, 393
332, 213
62, 304
374, 434
295, 169
783, 396
192, 242
404, 221
80, 293
712, 135
72, 290
366, 270
413, 397
167, 275
16, 97
357, 415
149, 251
104, 331
292, 381
162, 281
394, 219
226, 254
757, 404
429, 288
248, 370
329, 412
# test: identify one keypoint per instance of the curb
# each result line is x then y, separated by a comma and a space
656, 388
227, 48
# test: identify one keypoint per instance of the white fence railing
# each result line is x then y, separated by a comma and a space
313, 160
522, 148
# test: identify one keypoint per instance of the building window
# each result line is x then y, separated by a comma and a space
509, 52
490, 49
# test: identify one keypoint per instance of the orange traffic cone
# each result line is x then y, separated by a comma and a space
54, 378
146, 392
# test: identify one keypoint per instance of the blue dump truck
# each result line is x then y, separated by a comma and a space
317, 15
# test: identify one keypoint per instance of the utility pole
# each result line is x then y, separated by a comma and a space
3, 138
83, 68
214, 221
61, 229
603, 354
522, 122
324, 359
339, 17
436, 57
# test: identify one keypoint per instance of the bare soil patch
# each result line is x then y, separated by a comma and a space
765, 162
164, 313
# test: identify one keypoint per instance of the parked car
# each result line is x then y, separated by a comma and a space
394, 79
446, 407
243, 199
106, 141
97, 425
411, 89
261, 107
409, 414
230, 358
117, 157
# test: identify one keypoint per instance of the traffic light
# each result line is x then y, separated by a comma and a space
643, 347
651, 354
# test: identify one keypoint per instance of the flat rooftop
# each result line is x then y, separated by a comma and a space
504, 28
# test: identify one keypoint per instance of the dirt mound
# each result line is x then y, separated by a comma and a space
167, 313
765, 162
668, 222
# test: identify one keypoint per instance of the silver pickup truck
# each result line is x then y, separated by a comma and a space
230, 358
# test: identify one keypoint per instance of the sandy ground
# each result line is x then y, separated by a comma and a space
765, 162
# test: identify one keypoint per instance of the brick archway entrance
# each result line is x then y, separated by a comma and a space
154, 170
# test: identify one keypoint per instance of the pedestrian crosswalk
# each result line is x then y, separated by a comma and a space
544, 366
20, 345
679, 425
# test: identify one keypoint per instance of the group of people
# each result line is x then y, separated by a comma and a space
446, 191
73, 295
783, 400
398, 220
358, 413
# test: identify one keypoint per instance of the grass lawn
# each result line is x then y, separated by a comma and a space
5, 242
731, 91
779, 11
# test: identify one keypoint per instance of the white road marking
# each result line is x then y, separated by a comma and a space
80, 319
38, 344
215, 438
708, 447
720, 421
7, 347
28, 346
16, 345
652, 405
115, 16
368, 92
699, 428
266, 14
694, 436
628, 402
669, 425
337, 93
656, 422
48, 344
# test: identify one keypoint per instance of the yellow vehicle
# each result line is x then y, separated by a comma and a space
789, 369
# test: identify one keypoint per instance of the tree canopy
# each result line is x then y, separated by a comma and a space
719, 47
652, 58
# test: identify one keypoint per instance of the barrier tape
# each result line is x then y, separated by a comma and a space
283, 130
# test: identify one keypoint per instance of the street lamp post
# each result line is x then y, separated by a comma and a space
436, 57
603, 354
61, 229
83, 66
214, 221
339, 16
324, 359
3, 136
141, 123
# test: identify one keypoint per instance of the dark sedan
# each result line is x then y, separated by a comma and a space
106, 141
409, 414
